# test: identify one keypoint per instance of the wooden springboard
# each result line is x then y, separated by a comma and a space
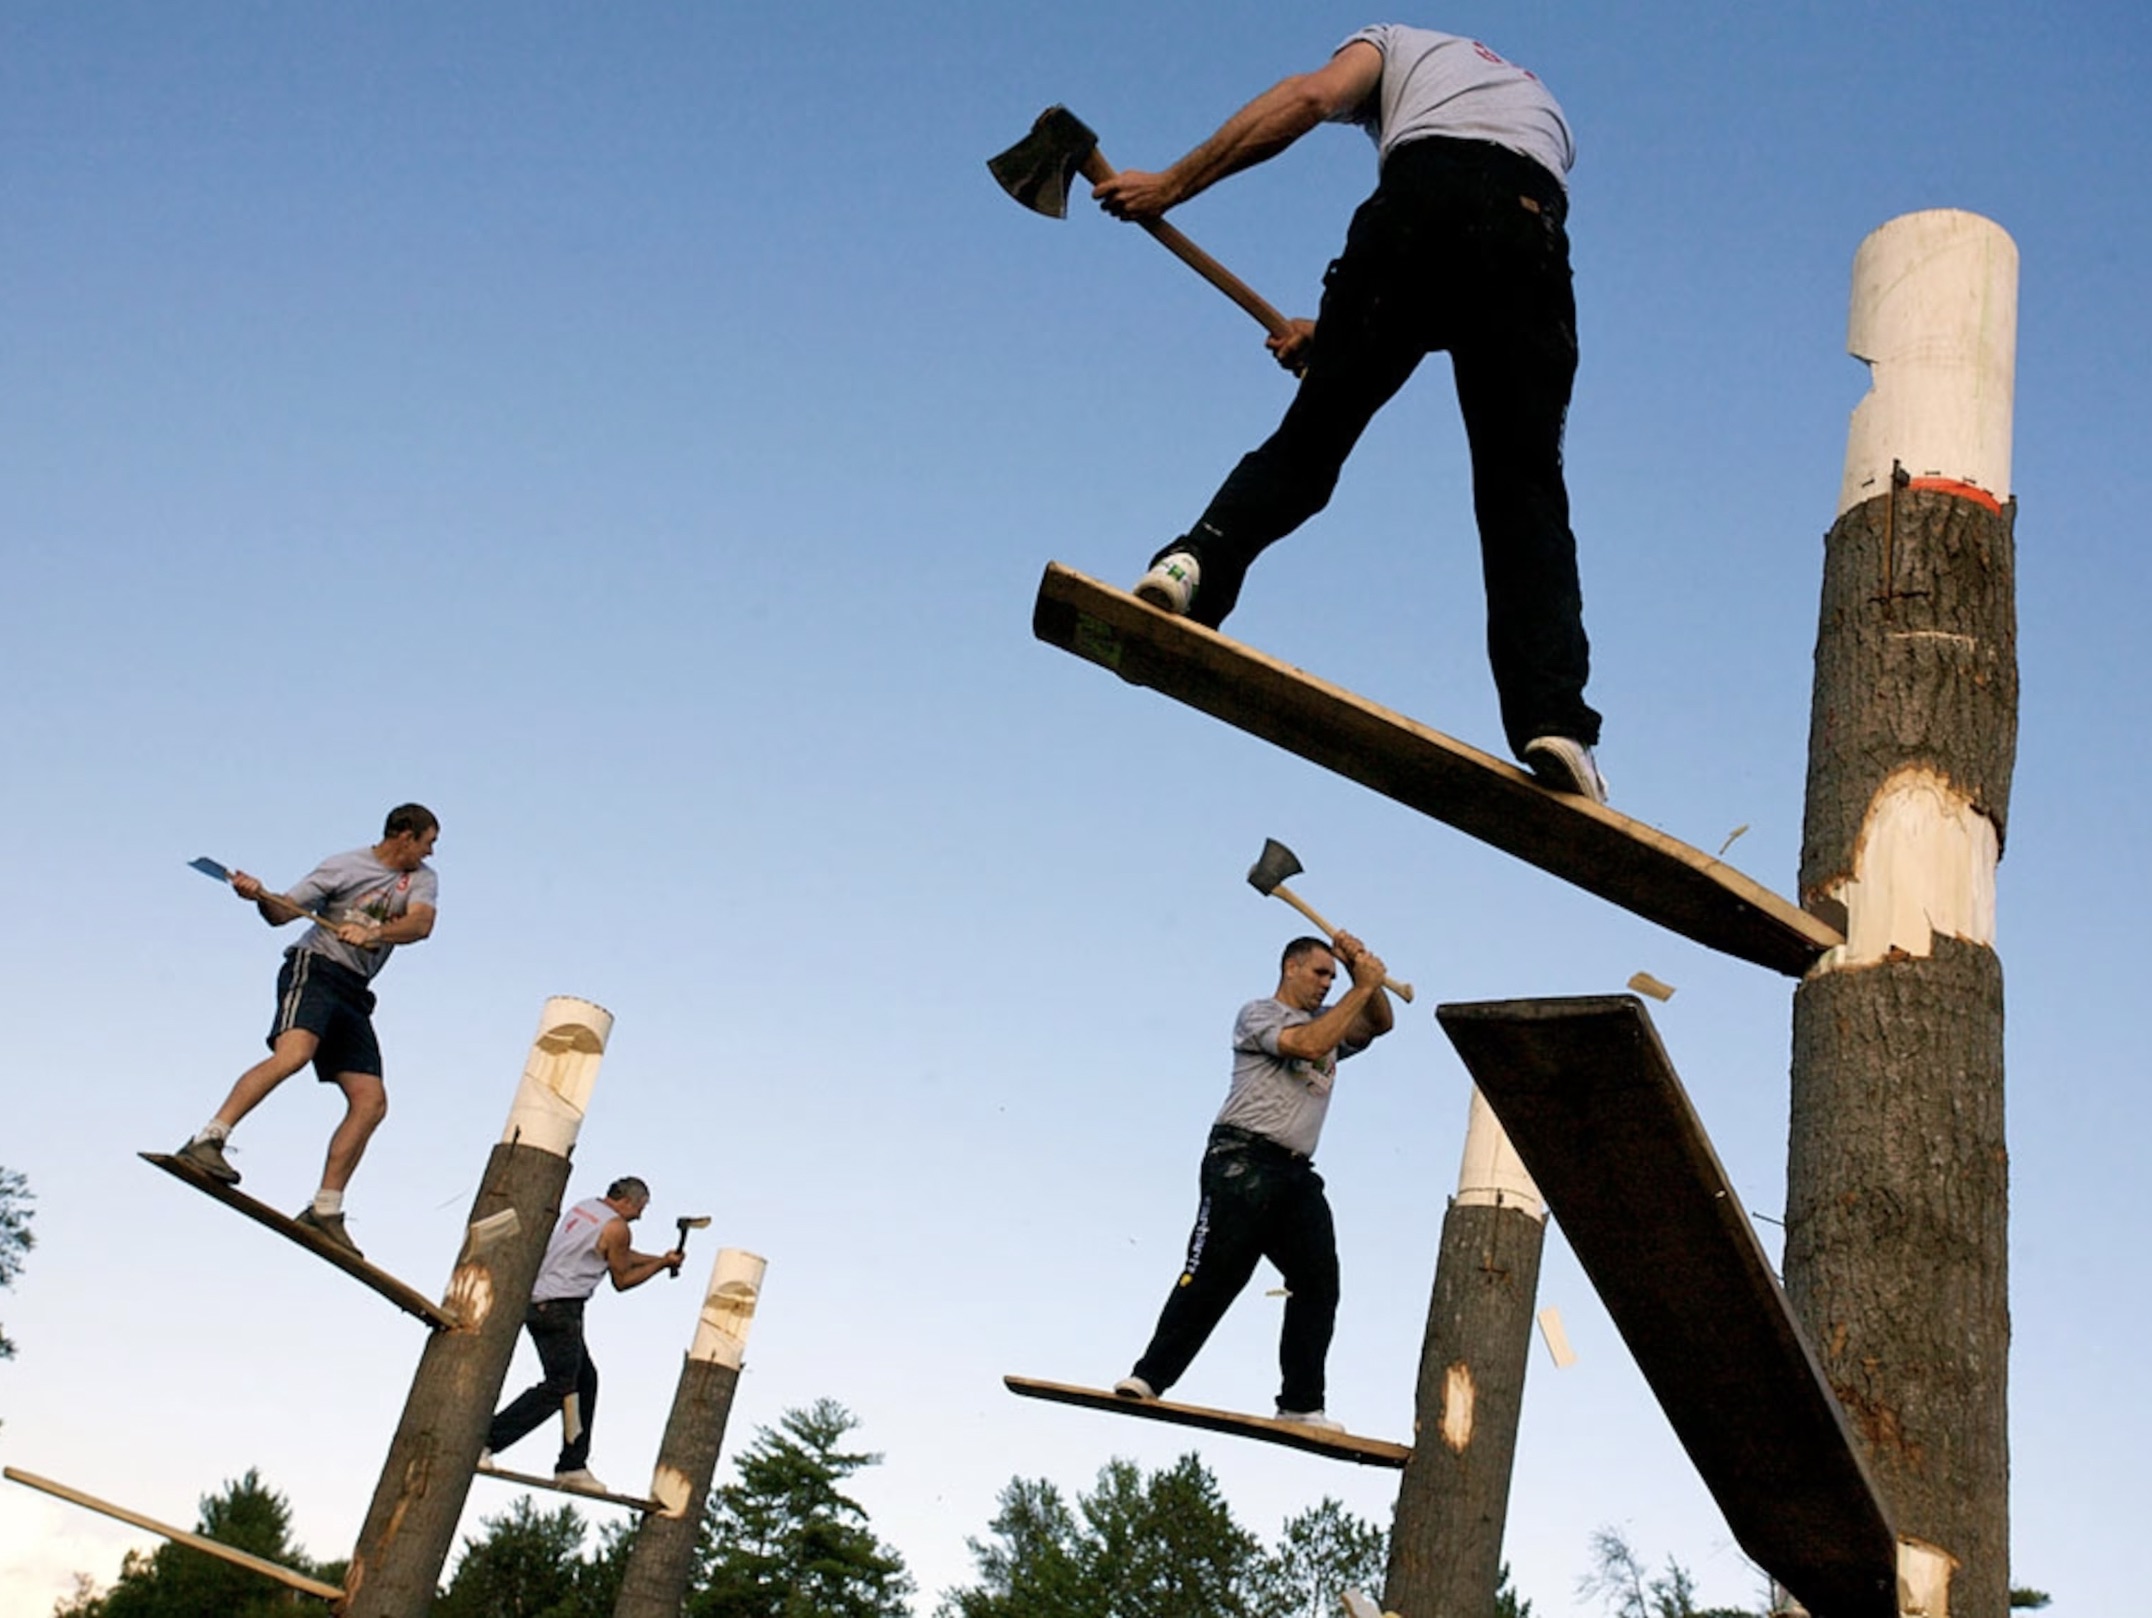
532, 1480
180, 1536
407, 1298
1600, 850
1599, 1117
1338, 1446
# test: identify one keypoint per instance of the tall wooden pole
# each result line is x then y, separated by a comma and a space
662, 1560
1446, 1538
411, 1525
1897, 1178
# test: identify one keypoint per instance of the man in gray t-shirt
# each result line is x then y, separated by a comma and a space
1462, 248
1261, 1196
371, 900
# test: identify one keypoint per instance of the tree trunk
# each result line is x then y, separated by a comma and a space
663, 1559
1897, 1178
411, 1525
1453, 1503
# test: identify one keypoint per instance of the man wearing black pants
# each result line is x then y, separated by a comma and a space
1261, 1195
590, 1244
1461, 248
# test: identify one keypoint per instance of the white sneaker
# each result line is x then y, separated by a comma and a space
1566, 766
1317, 1419
1170, 586
581, 1478
1134, 1387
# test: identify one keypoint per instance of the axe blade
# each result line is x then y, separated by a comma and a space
1276, 864
1036, 170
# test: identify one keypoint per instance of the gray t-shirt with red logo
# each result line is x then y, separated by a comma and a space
1444, 84
1282, 1098
358, 887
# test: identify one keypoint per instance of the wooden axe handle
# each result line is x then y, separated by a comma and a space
1402, 990
1097, 170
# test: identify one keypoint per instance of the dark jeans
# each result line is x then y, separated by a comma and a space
1462, 248
556, 1329
1259, 1201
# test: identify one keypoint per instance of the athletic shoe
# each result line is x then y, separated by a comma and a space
1317, 1419
329, 1225
583, 1479
1134, 1387
1358, 1605
208, 1156
1170, 586
1566, 766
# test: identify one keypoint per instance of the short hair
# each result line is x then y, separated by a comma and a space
625, 1187
414, 818
1301, 946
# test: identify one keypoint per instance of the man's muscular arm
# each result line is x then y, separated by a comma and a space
1256, 133
627, 1267
1362, 1012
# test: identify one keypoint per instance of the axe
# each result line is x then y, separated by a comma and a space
1267, 876
217, 873
680, 1246
1036, 172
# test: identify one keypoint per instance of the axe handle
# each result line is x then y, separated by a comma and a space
1402, 990
1097, 170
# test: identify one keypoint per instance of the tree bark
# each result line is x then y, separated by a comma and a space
1897, 1179
410, 1527
1446, 1538
663, 1558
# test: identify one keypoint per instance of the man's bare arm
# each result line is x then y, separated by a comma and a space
627, 1267
1256, 133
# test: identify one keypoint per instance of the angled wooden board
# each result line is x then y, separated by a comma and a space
303, 1582
1338, 1446
1600, 1119
532, 1480
407, 1298
1600, 850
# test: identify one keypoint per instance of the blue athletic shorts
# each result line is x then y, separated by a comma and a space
332, 1003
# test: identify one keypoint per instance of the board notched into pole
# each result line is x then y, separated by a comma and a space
179, 1536
1600, 850
405, 1297
1601, 1122
1338, 1446
532, 1480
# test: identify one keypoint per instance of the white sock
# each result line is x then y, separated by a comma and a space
215, 1132
328, 1202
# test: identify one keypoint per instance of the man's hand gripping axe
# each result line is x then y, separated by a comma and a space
1267, 876
1036, 171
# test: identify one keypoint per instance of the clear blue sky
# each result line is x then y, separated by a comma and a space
637, 434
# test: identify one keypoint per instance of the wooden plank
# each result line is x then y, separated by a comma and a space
1600, 850
179, 1536
407, 1298
534, 1480
1599, 1117
1338, 1446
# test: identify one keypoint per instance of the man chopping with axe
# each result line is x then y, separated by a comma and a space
1261, 1196
364, 905
589, 1244
1462, 247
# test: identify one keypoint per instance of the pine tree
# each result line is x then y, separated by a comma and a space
783, 1540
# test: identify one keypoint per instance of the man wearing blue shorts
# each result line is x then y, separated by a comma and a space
373, 899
